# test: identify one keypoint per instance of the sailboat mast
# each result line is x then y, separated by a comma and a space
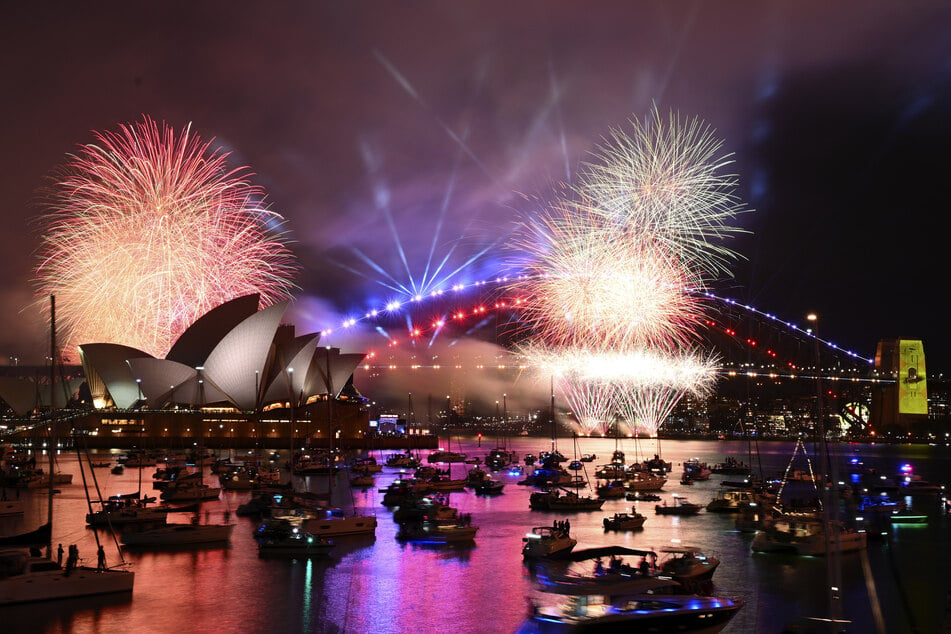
49, 507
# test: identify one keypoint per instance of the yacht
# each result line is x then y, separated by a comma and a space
178, 535
547, 542
624, 522
294, 543
807, 536
636, 604
331, 522
25, 578
680, 507
688, 565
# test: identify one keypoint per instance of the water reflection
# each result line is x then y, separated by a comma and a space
382, 585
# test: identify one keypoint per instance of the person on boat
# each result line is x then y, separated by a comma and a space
598, 568
101, 558
615, 564
645, 567
59, 555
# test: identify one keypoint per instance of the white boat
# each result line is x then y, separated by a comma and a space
688, 565
332, 522
624, 522
178, 535
24, 578
681, 506
643, 609
547, 542
807, 536
644, 481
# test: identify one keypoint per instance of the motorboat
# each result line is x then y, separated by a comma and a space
178, 535
732, 500
428, 532
642, 496
807, 536
332, 522
445, 456
645, 481
404, 460
696, 470
548, 542
294, 543
611, 490
624, 522
688, 566
554, 500
681, 506
636, 604
489, 487
26, 578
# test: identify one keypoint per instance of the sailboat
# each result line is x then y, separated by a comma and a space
26, 577
183, 534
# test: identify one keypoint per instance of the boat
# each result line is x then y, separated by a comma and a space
696, 470
570, 501
548, 542
636, 604
404, 460
294, 543
25, 577
732, 467
689, 566
681, 506
190, 492
117, 512
178, 535
624, 521
445, 456
807, 536
332, 522
611, 490
431, 532
488, 487
641, 496
645, 481
732, 500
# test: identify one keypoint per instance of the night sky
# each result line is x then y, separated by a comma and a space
428, 129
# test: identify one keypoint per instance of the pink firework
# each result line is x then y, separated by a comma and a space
148, 231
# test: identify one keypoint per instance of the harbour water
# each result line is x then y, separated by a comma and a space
381, 585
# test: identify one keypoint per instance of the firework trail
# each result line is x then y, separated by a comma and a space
147, 231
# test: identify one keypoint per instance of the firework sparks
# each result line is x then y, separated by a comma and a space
640, 386
148, 231
664, 183
591, 284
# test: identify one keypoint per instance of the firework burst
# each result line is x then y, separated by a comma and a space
592, 285
148, 231
664, 182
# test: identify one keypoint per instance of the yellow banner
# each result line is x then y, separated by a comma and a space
912, 383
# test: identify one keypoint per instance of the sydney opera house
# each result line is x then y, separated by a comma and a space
237, 375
